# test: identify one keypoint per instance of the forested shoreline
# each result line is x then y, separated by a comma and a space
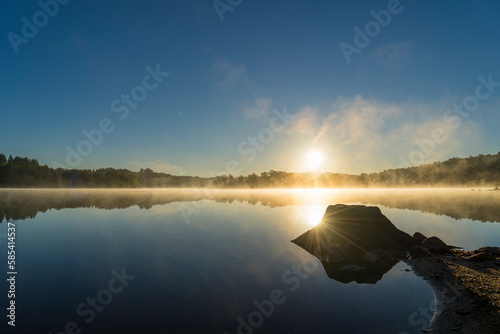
481, 170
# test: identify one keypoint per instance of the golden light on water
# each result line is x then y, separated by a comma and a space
312, 214
316, 201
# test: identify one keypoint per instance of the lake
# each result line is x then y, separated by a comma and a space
216, 261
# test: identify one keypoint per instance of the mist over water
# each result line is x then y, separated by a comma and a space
452, 202
199, 275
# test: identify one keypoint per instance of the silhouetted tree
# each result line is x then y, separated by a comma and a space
479, 170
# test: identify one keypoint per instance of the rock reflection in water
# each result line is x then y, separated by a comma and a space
356, 243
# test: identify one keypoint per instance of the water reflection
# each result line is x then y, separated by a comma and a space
455, 203
194, 278
312, 214
355, 243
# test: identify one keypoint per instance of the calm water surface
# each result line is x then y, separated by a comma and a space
187, 261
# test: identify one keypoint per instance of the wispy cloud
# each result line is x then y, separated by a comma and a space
395, 54
157, 166
228, 74
304, 122
260, 109
370, 134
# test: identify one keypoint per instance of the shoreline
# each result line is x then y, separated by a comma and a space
467, 293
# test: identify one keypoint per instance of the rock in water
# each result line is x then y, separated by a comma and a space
435, 245
417, 251
480, 257
355, 236
492, 250
419, 237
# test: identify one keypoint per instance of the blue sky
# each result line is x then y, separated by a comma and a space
388, 107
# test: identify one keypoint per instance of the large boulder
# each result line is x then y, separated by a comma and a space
417, 251
355, 243
419, 237
435, 245
378, 256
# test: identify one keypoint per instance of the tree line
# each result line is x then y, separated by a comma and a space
481, 170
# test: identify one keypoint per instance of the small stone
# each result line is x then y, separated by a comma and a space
492, 250
435, 245
480, 257
419, 237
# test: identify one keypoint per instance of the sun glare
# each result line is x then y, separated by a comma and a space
314, 160
312, 214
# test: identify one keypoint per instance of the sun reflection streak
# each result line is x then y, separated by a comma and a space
315, 209
312, 214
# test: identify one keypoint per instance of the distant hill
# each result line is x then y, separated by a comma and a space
480, 170
474, 171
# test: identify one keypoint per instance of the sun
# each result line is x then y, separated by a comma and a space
314, 160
